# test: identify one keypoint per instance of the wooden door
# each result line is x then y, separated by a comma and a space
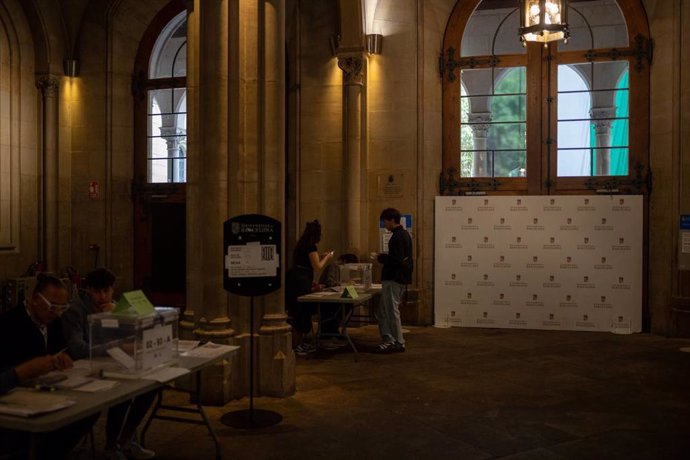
160, 141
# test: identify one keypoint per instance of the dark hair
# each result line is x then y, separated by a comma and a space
43, 280
311, 235
391, 214
100, 278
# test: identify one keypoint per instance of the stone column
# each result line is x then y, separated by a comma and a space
602, 129
352, 65
276, 361
172, 143
49, 85
207, 181
481, 166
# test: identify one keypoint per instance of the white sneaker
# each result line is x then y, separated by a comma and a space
304, 349
137, 452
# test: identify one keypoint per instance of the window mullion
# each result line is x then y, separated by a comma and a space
536, 166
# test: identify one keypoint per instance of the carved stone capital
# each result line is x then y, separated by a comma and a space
601, 119
353, 69
480, 123
48, 84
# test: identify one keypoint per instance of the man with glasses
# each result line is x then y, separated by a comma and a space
32, 344
34, 329
124, 418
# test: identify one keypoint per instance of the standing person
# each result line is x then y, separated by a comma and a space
299, 280
31, 344
396, 274
124, 418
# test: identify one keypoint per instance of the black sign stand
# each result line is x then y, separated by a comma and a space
238, 231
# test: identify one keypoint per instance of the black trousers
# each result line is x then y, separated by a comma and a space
137, 410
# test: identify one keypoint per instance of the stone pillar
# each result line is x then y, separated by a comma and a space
173, 145
275, 358
352, 66
187, 325
601, 118
207, 181
481, 164
49, 85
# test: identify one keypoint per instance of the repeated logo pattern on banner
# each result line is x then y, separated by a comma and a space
539, 262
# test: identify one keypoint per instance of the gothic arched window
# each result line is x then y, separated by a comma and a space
166, 97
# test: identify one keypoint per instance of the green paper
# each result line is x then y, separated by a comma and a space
349, 293
134, 303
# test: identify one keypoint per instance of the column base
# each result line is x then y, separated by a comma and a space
216, 381
276, 358
187, 325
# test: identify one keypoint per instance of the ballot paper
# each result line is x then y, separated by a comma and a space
25, 403
73, 382
121, 357
184, 346
208, 350
98, 385
165, 374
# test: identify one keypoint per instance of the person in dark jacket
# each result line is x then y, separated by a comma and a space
395, 275
31, 344
299, 280
124, 418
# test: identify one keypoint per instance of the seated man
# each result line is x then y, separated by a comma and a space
121, 426
31, 344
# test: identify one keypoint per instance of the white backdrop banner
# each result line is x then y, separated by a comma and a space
539, 262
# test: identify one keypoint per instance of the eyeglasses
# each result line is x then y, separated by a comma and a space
54, 307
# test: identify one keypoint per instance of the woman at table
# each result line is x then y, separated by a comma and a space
299, 280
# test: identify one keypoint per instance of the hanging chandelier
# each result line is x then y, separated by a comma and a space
543, 21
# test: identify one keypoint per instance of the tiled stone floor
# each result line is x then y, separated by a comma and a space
469, 394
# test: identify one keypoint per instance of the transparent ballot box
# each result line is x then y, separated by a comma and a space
357, 275
128, 346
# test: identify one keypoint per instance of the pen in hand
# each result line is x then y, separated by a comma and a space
61, 361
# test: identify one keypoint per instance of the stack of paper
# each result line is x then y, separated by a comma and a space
97, 385
184, 346
26, 403
208, 350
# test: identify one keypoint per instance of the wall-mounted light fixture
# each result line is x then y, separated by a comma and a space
543, 20
70, 67
374, 43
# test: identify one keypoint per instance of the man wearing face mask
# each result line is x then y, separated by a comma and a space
123, 419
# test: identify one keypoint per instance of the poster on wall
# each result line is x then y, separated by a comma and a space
539, 262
